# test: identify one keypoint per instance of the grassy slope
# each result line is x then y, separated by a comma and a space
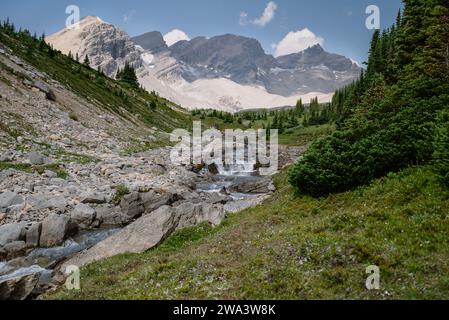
99, 89
298, 248
297, 136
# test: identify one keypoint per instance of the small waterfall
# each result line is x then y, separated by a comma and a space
242, 169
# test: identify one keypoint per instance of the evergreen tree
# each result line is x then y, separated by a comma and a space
386, 118
128, 75
86, 61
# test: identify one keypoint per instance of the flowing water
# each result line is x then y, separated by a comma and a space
229, 175
42, 260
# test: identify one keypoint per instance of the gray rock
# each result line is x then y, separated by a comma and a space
8, 199
83, 215
141, 235
20, 286
188, 214
36, 158
37, 201
152, 200
213, 213
15, 208
58, 202
151, 41
54, 230
33, 235
252, 185
92, 197
7, 156
111, 216
49, 93
3, 254
15, 249
11, 232
131, 205
50, 174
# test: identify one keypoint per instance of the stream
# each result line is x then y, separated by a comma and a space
44, 260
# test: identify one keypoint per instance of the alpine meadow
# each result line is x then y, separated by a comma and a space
129, 168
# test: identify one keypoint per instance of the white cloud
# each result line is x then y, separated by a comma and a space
296, 41
243, 19
267, 16
129, 16
174, 36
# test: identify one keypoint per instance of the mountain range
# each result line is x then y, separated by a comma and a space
226, 72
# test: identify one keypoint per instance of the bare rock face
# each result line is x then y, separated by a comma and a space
151, 41
244, 61
107, 46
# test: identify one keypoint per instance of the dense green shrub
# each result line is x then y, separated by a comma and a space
441, 144
387, 118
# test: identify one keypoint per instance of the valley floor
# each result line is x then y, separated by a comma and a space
297, 248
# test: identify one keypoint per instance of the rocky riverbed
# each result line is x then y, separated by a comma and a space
115, 206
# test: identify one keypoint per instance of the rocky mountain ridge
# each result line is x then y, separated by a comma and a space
225, 72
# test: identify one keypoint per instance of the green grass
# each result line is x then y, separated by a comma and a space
303, 135
120, 191
297, 248
57, 168
67, 157
96, 88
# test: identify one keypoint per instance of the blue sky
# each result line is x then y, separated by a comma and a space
338, 24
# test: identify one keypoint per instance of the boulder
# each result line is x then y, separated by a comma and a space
132, 205
55, 228
141, 235
57, 202
213, 169
7, 156
33, 235
43, 87
213, 213
83, 215
15, 249
111, 216
254, 185
50, 174
19, 285
36, 158
92, 197
188, 214
152, 200
9, 198
11, 232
